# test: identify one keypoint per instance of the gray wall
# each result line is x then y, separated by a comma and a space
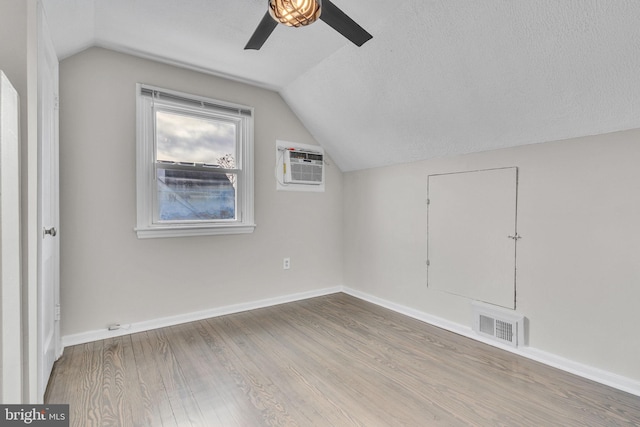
578, 268
107, 274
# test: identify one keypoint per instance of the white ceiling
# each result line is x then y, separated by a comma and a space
439, 77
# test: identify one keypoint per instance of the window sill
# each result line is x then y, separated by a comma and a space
189, 231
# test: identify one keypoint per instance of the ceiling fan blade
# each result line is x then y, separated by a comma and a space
262, 32
340, 22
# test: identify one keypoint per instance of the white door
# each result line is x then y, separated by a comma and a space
49, 248
472, 234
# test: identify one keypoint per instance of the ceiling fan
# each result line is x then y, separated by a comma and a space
296, 13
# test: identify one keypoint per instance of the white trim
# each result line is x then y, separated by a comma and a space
10, 245
147, 325
30, 336
186, 231
598, 375
589, 372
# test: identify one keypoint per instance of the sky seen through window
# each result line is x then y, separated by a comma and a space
182, 138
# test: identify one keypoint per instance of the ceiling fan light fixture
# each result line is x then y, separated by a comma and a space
295, 13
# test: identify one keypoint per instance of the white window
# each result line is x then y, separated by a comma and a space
194, 165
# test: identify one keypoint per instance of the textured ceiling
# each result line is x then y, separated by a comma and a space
439, 77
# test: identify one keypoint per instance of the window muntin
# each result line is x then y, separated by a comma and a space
195, 165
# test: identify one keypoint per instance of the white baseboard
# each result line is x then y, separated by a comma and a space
147, 325
598, 375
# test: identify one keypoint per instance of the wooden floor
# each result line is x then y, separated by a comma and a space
328, 361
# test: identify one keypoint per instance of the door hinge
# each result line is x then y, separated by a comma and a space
428, 202
56, 102
57, 312
428, 263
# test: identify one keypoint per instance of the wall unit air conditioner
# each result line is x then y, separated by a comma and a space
303, 167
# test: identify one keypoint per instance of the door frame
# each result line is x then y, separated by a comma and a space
10, 245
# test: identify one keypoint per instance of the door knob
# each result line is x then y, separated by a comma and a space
50, 231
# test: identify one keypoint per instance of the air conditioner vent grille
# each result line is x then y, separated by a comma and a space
499, 324
504, 331
306, 172
486, 324
303, 167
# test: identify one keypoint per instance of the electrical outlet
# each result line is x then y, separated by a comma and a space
286, 263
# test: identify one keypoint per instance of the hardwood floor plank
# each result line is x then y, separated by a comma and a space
87, 412
116, 398
289, 370
136, 399
221, 402
253, 379
157, 407
299, 374
184, 408
366, 384
327, 361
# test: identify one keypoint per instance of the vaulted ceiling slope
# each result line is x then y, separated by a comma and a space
439, 77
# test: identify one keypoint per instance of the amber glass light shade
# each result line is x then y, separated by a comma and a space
295, 13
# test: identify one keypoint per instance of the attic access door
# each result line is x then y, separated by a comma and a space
472, 235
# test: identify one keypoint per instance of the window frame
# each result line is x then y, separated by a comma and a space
148, 99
